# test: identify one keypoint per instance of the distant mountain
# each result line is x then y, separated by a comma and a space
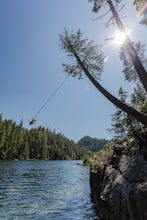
92, 144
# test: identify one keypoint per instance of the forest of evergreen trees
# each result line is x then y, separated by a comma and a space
17, 142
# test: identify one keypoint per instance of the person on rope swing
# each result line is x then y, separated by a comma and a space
33, 121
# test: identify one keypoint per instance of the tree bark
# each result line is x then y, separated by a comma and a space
130, 48
129, 110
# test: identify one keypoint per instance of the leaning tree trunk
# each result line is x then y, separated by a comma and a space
129, 110
130, 48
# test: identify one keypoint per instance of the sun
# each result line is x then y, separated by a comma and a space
120, 37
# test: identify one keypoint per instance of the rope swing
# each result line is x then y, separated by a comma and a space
33, 120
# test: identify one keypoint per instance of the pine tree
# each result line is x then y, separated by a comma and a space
128, 45
89, 61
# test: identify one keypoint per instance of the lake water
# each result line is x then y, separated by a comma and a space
47, 190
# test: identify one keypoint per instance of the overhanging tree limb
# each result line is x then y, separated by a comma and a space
129, 110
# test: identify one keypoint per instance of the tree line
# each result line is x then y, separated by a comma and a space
17, 142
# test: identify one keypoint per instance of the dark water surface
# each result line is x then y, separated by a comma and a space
54, 190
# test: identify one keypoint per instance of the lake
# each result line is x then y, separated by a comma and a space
47, 190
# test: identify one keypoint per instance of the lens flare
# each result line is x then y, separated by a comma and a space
120, 37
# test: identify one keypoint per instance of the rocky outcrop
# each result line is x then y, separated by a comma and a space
119, 188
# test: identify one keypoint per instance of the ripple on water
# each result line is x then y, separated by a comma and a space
52, 190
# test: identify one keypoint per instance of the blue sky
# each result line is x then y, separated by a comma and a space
31, 66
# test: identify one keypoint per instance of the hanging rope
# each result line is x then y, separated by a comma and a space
49, 99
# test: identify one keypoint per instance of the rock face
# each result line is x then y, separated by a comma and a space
120, 187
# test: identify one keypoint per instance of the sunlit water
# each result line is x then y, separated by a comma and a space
54, 190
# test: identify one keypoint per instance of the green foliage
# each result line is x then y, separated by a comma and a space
89, 60
136, 2
92, 144
89, 53
124, 126
128, 67
97, 4
100, 159
40, 143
